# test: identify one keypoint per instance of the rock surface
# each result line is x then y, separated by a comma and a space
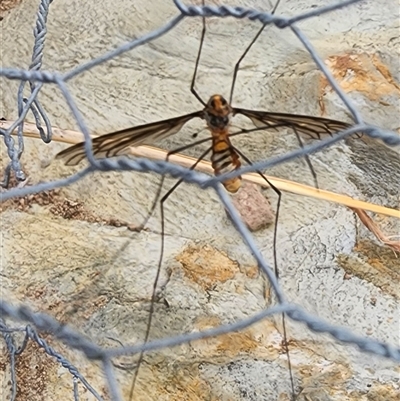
64, 254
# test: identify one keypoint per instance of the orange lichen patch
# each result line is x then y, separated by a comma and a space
380, 257
383, 69
376, 392
187, 388
227, 345
207, 266
250, 271
7, 5
235, 343
321, 383
363, 73
162, 383
207, 322
232, 344
376, 264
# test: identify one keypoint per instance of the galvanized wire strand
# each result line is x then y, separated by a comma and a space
12, 350
25, 75
31, 334
38, 111
44, 322
194, 177
46, 186
79, 342
255, 15
336, 87
13, 152
124, 48
113, 387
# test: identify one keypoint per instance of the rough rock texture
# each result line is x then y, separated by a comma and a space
64, 254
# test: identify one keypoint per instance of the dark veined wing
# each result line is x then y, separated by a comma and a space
312, 127
116, 143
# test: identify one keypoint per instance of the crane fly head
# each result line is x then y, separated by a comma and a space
217, 113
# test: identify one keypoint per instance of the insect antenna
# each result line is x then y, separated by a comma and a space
237, 65
235, 72
198, 97
192, 88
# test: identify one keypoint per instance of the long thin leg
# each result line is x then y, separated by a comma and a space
192, 89
155, 283
278, 192
159, 189
308, 160
250, 130
237, 65
275, 126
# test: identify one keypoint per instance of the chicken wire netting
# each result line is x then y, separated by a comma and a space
20, 325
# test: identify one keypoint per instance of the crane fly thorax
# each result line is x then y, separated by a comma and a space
224, 158
217, 114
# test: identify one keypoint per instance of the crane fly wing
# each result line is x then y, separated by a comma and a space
116, 143
312, 127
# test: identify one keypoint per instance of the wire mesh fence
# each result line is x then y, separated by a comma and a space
38, 323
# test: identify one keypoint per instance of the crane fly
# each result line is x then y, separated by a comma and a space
218, 114
225, 157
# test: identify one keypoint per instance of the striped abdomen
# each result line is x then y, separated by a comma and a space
224, 159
